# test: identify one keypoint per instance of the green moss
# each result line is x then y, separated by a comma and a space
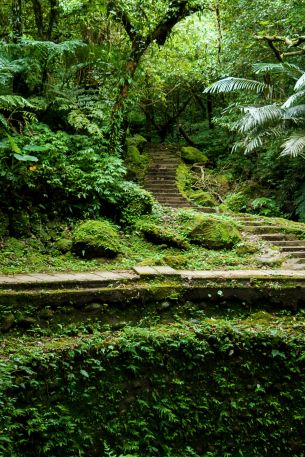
160, 234
236, 201
96, 239
246, 248
203, 198
193, 155
64, 245
213, 233
137, 141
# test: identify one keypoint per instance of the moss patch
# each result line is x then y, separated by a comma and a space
193, 155
96, 239
212, 232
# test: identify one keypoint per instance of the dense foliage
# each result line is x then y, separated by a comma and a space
202, 389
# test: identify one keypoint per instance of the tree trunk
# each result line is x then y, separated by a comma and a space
17, 20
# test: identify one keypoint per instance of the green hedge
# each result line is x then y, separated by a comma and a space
181, 390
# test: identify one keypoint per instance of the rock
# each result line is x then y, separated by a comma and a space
193, 155
213, 233
96, 238
159, 234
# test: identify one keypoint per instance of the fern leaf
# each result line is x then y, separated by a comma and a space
293, 98
231, 84
284, 67
300, 84
259, 116
294, 146
295, 112
11, 102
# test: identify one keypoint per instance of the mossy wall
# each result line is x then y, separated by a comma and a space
208, 388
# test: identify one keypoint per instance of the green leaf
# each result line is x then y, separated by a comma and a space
25, 158
35, 148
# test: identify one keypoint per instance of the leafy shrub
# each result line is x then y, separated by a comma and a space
266, 206
134, 202
236, 202
96, 239
72, 175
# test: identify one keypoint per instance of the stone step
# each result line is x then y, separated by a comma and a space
256, 223
295, 254
276, 236
206, 209
298, 260
262, 229
293, 248
289, 243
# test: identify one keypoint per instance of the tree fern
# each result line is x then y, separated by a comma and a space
231, 84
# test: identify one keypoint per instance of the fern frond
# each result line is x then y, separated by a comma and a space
293, 98
295, 112
280, 68
259, 116
294, 146
300, 84
231, 84
11, 102
253, 144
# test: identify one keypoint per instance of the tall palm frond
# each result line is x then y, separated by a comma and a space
300, 84
293, 99
231, 84
294, 146
278, 68
259, 116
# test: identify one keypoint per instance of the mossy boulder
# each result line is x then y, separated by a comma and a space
4, 224
63, 245
159, 234
96, 239
213, 233
193, 155
203, 198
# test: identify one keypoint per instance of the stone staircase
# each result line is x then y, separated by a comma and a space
161, 177
287, 244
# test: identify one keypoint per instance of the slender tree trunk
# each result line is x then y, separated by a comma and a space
17, 25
